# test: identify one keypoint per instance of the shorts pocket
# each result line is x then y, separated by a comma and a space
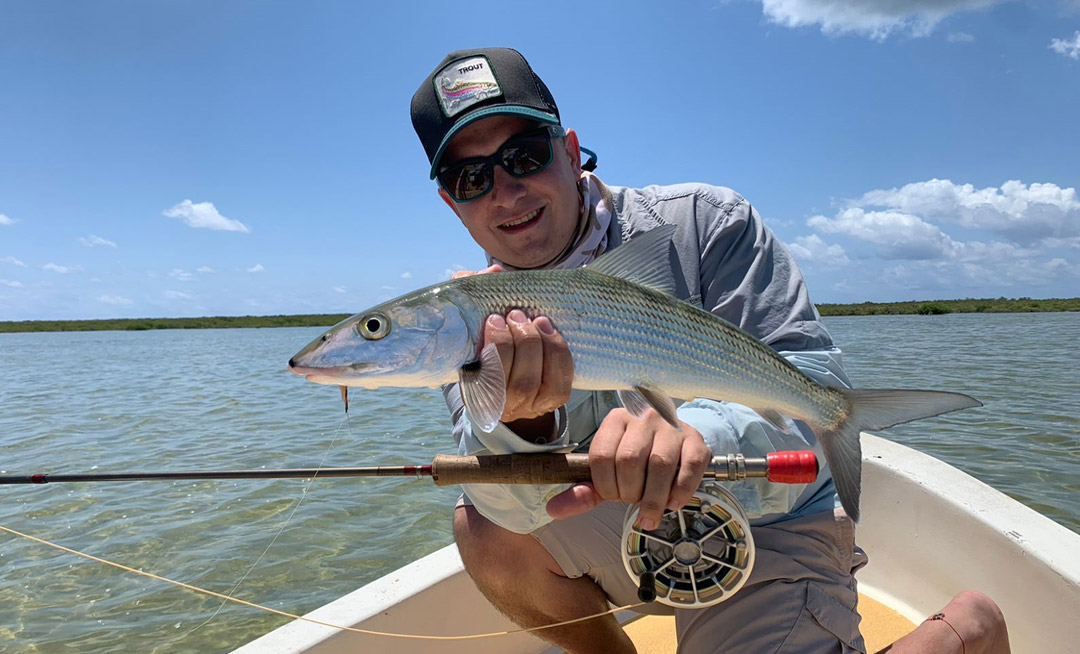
824, 625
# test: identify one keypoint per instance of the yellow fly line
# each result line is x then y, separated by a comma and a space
300, 617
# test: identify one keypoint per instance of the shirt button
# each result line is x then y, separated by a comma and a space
609, 397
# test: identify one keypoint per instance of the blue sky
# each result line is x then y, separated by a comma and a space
207, 158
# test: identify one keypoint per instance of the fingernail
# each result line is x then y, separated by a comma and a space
648, 524
544, 325
673, 505
518, 316
496, 322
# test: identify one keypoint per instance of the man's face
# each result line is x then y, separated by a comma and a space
522, 221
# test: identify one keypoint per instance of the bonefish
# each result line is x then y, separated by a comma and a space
626, 332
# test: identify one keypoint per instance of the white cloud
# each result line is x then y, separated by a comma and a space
1027, 232
1023, 213
960, 37
56, 268
1067, 47
204, 215
13, 261
874, 18
113, 299
181, 275
176, 295
94, 241
811, 249
406, 275
204, 269
901, 235
4, 220
257, 268
10, 284
339, 289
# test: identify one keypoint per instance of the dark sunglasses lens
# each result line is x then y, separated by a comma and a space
467, 181
520, 156
526, 156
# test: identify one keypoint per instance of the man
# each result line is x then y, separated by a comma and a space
513, 176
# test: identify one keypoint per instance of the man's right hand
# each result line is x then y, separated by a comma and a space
538, 366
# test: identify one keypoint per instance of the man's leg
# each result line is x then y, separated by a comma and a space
978, 623
521, 579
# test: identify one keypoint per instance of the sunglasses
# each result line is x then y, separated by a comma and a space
521, 155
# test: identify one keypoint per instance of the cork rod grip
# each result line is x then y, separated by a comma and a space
449, 470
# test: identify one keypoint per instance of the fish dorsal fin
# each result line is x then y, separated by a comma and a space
641, 399
483, 389
643, 260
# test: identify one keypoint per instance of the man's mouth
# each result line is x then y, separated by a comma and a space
523, 222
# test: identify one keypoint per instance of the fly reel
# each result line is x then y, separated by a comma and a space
697, 556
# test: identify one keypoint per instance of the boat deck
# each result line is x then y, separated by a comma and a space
880, 626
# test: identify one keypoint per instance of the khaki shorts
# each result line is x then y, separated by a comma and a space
800, 597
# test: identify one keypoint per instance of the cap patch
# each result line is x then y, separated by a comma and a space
465, 82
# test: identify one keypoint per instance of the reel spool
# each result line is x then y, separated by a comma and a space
697, 556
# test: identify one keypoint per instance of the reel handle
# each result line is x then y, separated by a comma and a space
797, 467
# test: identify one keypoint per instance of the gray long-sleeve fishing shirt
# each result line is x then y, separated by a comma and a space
729, 263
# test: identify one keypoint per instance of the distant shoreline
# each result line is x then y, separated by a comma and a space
925, 307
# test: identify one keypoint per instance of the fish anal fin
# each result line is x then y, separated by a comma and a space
641, 399
483, 389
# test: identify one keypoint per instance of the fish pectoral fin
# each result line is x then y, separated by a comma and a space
483, 388
641, 399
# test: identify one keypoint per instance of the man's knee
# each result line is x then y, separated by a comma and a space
985, 620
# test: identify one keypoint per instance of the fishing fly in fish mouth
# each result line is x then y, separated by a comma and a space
627, 333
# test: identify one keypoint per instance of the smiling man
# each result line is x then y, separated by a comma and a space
513, 175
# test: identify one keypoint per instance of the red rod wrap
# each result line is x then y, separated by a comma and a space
792, 467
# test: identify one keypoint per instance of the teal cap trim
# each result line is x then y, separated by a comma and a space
503, 109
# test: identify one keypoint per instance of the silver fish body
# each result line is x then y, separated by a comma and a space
622, 336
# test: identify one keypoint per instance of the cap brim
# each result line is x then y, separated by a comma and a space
486, 112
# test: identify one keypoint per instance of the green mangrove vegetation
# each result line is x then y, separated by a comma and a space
143, 324
936, 307
925, 307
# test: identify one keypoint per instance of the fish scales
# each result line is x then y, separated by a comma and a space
621, 335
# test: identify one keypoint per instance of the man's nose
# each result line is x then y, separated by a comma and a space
507, 188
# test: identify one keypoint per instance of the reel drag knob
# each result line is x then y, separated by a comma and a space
697, 556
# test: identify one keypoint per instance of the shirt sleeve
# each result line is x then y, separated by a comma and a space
750, 279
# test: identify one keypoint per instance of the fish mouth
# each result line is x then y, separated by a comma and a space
332, 375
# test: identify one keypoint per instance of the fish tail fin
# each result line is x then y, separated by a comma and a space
877, 409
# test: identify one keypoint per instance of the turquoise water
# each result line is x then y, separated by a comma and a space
120, 401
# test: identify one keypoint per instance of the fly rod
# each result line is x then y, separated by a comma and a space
796, 467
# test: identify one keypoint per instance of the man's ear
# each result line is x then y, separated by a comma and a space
573, 150
450, 203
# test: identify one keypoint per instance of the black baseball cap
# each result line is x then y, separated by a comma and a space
472, 84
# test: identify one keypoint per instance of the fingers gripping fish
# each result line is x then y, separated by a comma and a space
626, 332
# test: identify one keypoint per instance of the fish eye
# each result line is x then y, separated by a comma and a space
373, 327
